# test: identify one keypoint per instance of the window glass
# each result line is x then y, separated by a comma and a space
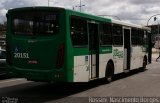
2, 55
78, 29
145, 38
35, 23
117, 35
140, 37
134, 36
106, 37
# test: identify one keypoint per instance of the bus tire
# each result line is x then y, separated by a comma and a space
144, 63
109, 72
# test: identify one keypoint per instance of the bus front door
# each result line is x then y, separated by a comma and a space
127, 49
93, 49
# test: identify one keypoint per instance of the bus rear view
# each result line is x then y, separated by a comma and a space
36, 43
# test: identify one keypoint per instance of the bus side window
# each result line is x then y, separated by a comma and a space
140, 37
106, 35
78, 30
117, 35
145, 38
134, 36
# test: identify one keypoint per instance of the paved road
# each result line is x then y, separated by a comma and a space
135, 84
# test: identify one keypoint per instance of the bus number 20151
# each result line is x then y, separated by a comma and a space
21, 55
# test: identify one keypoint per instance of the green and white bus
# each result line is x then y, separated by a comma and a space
59, 45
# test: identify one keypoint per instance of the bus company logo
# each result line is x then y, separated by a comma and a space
16, 50
117, 53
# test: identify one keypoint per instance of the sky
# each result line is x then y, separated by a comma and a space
134, 11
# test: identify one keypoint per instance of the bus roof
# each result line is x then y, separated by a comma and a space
107, 19
129, 24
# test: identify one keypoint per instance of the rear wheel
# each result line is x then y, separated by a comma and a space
109, 72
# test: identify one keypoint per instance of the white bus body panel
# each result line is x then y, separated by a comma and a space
81, 68
118, 59
103, 60
137, 56
93, 66
125, 59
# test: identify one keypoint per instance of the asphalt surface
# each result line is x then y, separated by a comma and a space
134, 84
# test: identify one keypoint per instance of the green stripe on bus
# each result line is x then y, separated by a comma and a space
104, 50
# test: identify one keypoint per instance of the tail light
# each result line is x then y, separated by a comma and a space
60, 56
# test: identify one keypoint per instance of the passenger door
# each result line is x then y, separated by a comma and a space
93, 49
127, 49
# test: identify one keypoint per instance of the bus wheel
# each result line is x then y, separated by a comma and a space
109, 72
144, 63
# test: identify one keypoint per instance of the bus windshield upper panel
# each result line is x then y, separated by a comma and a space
35, 23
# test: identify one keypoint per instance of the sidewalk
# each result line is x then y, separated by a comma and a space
155, 54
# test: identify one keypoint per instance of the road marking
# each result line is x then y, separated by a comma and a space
13, 80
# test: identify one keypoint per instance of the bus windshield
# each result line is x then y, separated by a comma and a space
35, 23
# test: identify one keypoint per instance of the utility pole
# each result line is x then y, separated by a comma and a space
80, 6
